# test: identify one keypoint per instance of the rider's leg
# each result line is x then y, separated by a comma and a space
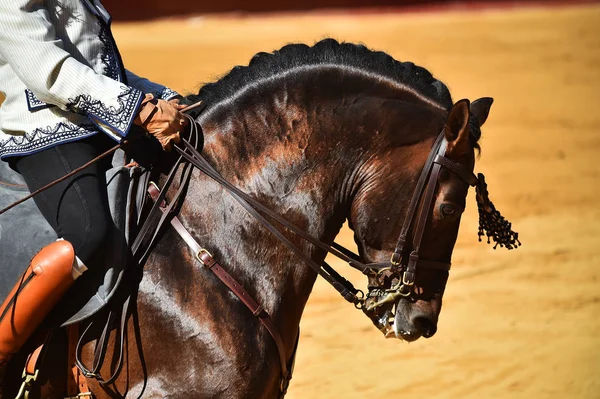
49, 275
77, 209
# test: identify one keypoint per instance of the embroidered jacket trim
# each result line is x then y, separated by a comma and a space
34, 103
43, 138
119, 119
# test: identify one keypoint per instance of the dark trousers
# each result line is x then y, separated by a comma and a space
77, 208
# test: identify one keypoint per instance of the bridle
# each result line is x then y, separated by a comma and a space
400, 264
406, 259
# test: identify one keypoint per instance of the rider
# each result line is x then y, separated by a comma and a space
68, 99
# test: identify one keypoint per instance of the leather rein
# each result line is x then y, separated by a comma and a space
399, 262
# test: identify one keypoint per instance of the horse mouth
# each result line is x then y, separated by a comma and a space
390, 320
400, 328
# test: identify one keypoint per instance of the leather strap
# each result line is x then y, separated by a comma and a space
257, 310
31, 365
147, 109
414, 202
253, 207
457, 169
102, 344
210, 263
31, 369
76, 382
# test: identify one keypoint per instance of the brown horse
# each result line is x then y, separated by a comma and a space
320, 135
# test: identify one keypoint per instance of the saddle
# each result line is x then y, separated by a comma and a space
99, 292
24, 230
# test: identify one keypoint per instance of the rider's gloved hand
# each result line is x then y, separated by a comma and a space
162, 119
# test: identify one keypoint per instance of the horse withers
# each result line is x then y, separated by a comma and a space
319, 135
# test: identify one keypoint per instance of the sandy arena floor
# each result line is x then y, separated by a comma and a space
520, 324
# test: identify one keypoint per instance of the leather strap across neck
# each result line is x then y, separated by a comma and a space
436, 158
414, 201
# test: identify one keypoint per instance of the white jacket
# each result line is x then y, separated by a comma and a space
62, 76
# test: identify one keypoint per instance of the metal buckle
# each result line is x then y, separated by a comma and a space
203, 250
406, 281
28, 379
392, 259
403, 292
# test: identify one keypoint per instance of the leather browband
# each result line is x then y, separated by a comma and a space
457, 169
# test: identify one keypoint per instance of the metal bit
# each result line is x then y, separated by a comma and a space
389, 297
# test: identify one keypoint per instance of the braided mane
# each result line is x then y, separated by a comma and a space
328, 51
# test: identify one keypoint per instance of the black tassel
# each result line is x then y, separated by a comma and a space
491, 222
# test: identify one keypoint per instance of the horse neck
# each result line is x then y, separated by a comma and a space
300, 159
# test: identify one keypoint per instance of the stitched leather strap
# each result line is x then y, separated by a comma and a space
414, 202
210, 263
256, 309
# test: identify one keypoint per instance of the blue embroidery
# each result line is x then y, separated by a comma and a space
120, 119
166, 94
111, 66
42, 138
34, 103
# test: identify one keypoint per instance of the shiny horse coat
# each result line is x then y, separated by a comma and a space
320, 135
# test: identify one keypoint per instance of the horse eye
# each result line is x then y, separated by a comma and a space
447, 210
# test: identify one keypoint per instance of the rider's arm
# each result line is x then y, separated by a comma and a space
28, 43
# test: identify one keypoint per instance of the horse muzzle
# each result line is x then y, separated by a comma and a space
399, 316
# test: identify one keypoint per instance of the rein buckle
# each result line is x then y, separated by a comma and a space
408, 278
199, 255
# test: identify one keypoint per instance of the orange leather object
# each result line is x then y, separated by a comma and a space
46, 280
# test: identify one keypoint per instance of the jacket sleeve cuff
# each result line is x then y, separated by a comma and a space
34, 103
147, 86
167, 94
114, 120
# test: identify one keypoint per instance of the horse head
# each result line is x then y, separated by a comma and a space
377, 225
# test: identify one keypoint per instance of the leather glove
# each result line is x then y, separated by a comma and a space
161, 119
176, 103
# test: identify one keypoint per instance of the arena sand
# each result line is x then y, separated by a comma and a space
519, 324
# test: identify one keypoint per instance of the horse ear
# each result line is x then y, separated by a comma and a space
457, 128
480, 108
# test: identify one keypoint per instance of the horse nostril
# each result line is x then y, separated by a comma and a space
426, 326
